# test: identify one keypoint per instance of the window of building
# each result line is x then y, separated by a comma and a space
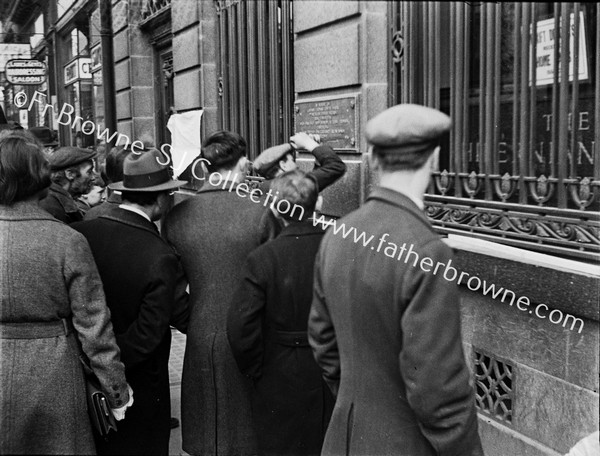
521, 164
256, 90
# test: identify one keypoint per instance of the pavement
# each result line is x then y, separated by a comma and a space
175, 368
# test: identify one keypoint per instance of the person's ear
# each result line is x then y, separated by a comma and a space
373, 162
434, 160
70, 174
319, 204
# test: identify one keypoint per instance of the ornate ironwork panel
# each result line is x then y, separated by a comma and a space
526, 120
494, 387
154, 7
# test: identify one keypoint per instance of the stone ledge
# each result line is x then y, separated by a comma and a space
521, 255
542, 278
499, 440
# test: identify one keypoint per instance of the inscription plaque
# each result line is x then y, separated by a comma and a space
334, 119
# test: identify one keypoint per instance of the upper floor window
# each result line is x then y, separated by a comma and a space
520, 82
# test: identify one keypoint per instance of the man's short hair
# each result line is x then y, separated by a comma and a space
141, 198
299, 190
276, 169
24, 168
113, 166
390, 161
223, 149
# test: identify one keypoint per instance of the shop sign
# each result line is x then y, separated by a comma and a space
9, 51
545, 42
85, 67
78, 69
96, 57
25, 71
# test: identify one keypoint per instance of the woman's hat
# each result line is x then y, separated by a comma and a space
146, 171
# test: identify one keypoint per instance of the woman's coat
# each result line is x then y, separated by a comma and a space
47, 273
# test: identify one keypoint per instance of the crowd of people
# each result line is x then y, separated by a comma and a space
298, 341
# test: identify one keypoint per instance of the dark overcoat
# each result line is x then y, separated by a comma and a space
214, 231
146, 293
387, 336
267, 324
61, 205
47, 273
104, 208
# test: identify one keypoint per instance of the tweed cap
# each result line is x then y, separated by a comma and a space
146, 172
407, 128
270, 157
65, 157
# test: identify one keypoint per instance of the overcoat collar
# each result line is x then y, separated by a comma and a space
399, 200
225, 186
132, 219
301, 229
64, 198
25, 210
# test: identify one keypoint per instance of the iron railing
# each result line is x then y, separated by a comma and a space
151, 8
256, 89
521, 165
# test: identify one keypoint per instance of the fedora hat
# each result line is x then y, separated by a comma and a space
148, 171
45, 135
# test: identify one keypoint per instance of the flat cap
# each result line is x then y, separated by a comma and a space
407, 128
64, 157
270, 157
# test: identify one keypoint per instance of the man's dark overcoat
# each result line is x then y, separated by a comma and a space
60, 204
387, 336
145, 291
214, 231
267, 324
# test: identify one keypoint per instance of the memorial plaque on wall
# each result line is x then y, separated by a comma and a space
334, 119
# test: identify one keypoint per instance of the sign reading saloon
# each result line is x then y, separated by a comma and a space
25, 71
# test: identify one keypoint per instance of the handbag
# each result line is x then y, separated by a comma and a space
99, 410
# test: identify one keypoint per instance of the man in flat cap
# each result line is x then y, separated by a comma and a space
384, 324
145, 288
277, 160
72, 173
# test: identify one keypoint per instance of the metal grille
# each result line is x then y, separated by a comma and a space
154, 7
521, 164
494, 387
256, 84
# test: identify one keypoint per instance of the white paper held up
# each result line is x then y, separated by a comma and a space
185, 139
